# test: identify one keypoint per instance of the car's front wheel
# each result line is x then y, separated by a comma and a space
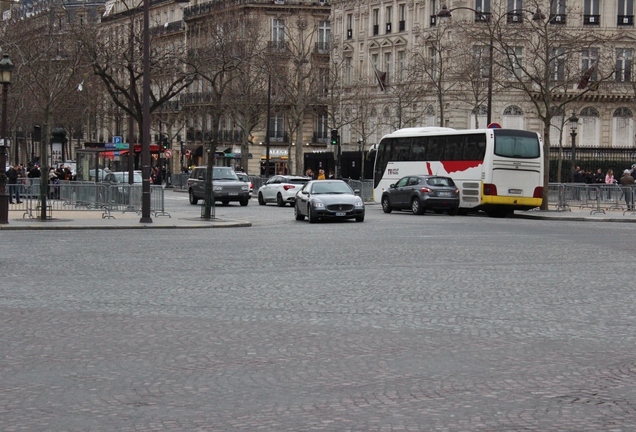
193, 200
244, 202
360, 218
225, 202
298, 214
279, 201
417, 207
261, 201
386, 205
313, 218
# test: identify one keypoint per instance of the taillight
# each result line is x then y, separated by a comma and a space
490, 189
426, 190
538, 192
288, 187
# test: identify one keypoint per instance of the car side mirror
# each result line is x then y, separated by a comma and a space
356, 191
305, 192
392, 186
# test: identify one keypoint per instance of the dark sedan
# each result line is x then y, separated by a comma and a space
419, 193
328, 199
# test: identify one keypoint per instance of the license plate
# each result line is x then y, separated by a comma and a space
233, 193
515, 191
445, 194
341, 214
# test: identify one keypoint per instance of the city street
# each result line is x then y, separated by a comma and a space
399, 323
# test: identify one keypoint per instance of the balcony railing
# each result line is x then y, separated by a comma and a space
195, 98
433, 20
558, 19
376, 29
278, 136
482, 16
625, 20
279, 45
323, 47
594, 20
349, 34
320, 138
167, 28
402, 26
514, 18
388, 28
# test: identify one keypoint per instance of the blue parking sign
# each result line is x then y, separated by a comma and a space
116, 140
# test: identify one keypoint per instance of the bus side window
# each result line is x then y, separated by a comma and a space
475, 148
454, 147
418, 152
436, 148
401, 149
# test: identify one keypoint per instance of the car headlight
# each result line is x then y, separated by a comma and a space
217, 188
358, 204
318, 204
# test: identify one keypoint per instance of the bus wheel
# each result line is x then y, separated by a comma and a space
453, 212
386, 205
417, 206
462, 212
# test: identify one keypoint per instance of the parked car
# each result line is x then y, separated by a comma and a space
117, 177
226, 186
419, 193
281, 189
328, 199
244, 177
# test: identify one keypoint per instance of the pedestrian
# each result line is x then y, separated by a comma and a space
157, 178
34, 172
627, 182
609, 181
12, 178
309, 173
321, 174
331, 175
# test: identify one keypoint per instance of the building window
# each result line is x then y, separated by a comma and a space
625, 13
515, 11
432, 62
401, 65
623, 126
591, 15
349, 26
557, 64
481, 60
278, 33
624, 60
557, 12
348, 71
322, 122
323, 81
376, 22
515, 59
276, 128
589, 59
402, 12
388, 18
387, 67
513, 117
324, 36
590, 132
482, 6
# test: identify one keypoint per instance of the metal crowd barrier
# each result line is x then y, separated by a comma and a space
180, 180
83, 196
364, 186
597, 197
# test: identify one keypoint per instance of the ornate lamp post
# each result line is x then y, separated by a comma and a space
574, 123
6, 67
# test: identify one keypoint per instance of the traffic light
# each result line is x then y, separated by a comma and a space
334, 137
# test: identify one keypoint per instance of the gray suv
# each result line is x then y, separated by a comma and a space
226, 186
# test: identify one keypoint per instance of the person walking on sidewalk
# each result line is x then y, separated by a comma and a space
627, 182
12, 179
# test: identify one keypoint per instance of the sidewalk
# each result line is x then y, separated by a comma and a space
72, 220
579, 215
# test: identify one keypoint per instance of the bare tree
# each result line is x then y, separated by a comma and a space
48, 66
544, 60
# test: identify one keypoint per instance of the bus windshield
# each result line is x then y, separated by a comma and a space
516, 144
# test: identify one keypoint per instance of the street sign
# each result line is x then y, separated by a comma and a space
494, 126
187, 153
167, 153
116, 140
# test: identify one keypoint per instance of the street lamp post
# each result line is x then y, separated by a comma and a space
145, 123
574, 123
6, 67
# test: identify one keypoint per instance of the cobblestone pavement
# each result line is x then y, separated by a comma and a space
400, 323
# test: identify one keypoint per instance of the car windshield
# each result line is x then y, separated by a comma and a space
220, 173
243, 177
331, 188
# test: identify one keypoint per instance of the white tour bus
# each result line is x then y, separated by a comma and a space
496, 170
